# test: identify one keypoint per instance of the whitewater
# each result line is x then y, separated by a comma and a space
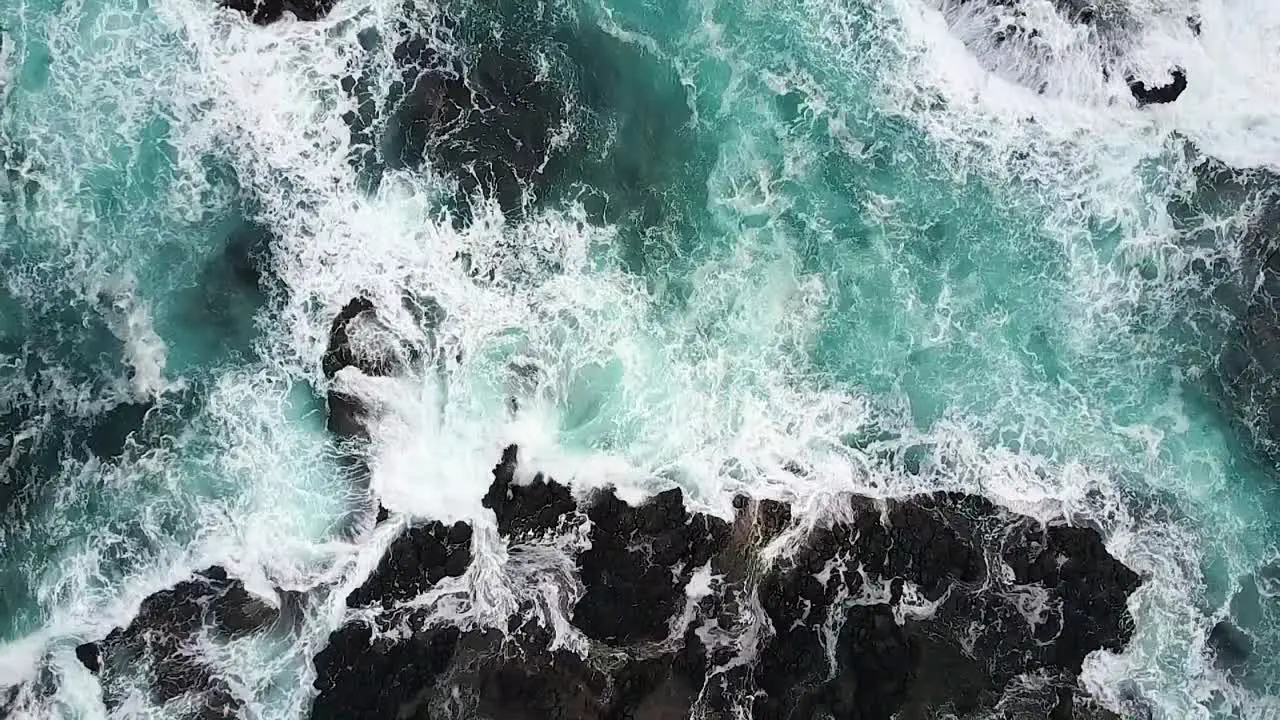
784, 247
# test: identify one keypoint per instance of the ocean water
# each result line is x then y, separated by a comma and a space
797, 247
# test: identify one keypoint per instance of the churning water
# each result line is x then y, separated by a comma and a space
767, 245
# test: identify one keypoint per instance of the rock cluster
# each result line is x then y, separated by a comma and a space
907, 606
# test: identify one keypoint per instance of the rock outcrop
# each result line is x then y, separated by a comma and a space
163, 640
264, 12
901, 608
1158, 94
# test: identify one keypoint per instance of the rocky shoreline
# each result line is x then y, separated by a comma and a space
900, 608
880, 608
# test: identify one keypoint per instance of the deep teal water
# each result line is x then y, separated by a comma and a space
777, 235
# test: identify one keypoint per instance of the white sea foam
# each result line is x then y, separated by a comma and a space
130, 319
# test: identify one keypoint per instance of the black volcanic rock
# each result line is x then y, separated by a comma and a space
897, 656
160, 636
360, 677
417, 560
903, 608
355, 662
1091, 586
639, 563
524, 510
1158, 94
264, 12
341, 351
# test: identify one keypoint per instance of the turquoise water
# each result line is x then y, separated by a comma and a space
794, 246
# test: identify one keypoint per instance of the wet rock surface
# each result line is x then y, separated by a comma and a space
264, 12
165, 637
1157, 94
417, 560
358, 339
901, 608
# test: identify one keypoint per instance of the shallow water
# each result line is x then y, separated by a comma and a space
791, 247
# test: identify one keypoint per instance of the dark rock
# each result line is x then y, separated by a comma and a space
547, 110
1091, 585
639, 563
526, 510
1158, 94
415, 562
263, 12
363, 678
487, 119
90, 655
442, 672
359, 339
354, 663
936, 544
347, 421
157, 641
1233, 310
1056, 597
113, 428
339, 353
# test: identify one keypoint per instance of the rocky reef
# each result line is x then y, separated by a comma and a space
872, 608
895, 608
869, 608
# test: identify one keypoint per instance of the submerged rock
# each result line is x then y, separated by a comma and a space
488, 121
113, 427
902, 608
1233, 315
161, 642
551, 109
1231, 646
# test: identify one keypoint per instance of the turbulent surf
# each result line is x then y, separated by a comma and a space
714, 359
